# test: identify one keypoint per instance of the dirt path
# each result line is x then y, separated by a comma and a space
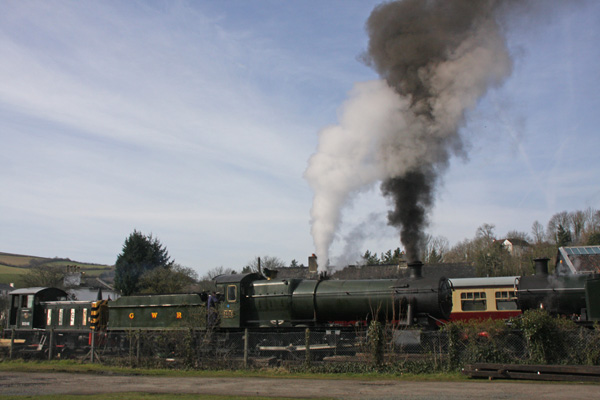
32, 384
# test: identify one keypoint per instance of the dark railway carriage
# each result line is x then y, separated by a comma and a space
68, 315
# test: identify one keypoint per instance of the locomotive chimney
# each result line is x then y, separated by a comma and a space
415, 269
541, 266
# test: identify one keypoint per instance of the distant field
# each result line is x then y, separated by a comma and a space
11, 275
17, 260
14, 266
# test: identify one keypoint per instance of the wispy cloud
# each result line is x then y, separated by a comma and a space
195, 121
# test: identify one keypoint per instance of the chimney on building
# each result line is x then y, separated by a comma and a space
312, 264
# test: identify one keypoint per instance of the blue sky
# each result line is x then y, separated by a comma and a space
194, 121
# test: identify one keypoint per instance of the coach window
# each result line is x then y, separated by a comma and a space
506, 301
231, 293
473, 301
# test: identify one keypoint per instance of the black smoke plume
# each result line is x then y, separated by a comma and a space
409, 40
436, 59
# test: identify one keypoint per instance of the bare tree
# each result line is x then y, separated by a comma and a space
518, 235
45, 276
461, 252
213, 273
578, 221
264, 262
434, 249
537, 230
486, 231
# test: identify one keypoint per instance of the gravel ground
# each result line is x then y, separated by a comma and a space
32, 384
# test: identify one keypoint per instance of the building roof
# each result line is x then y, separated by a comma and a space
578, 260
6, 287
392, 271
516, 242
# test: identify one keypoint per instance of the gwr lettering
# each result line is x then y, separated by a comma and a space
178, 315
154, 315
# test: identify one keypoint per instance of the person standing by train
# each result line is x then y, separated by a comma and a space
211, 309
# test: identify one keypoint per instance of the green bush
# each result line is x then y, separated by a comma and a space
549, 340
476, 341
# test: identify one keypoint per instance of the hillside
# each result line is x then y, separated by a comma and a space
14, 266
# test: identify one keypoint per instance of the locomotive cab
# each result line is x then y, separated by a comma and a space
26, 308
233, 302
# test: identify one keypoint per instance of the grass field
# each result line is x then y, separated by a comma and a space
14, 266
11, 274
147, 396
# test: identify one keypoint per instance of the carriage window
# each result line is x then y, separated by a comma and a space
84, 317
49, 316
506, 301
231, 293
72, 320
60, 316
473, 301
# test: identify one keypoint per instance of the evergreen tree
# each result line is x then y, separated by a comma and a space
593, 239
563, 236
370, 258
140, 254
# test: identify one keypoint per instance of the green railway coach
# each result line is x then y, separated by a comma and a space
157, 312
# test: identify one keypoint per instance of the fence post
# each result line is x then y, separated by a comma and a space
12, 343
307, 344
246, 341
93, 333
51, 344
130, 336
139, 347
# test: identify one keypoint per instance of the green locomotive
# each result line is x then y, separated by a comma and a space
250, 300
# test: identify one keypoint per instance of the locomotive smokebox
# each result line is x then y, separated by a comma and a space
541, 266
415, 269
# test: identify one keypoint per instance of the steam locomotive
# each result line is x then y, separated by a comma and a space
251, 300
575, 296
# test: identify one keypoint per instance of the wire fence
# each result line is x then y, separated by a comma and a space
378, 347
